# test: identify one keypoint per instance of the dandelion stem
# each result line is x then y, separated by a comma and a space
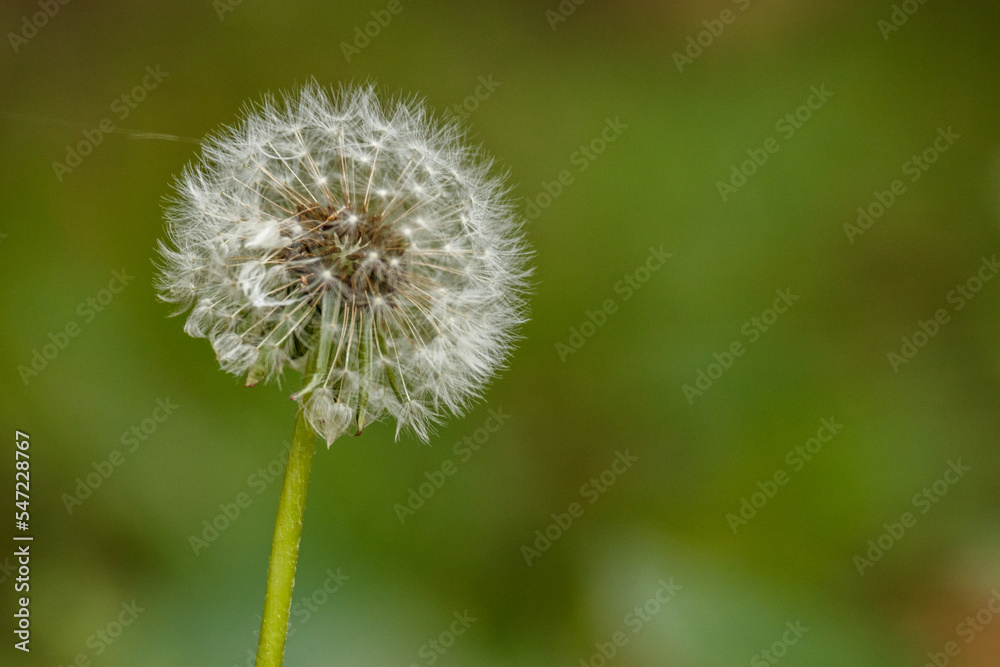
285, 545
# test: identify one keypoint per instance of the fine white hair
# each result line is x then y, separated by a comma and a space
358, 240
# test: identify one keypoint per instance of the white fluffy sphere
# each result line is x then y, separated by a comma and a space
357, 240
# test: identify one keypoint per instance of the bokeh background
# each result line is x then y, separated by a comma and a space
553, 87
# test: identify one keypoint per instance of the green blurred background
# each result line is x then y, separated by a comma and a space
551, 91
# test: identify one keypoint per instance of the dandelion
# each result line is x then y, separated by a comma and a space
361, 243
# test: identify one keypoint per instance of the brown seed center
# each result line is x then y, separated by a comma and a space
357, 253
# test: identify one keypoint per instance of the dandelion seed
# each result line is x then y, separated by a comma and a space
353, 234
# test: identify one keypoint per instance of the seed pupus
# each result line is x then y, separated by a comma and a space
356, 249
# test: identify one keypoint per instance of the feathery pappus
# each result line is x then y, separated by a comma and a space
356, 240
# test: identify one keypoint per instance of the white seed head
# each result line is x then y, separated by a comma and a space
355, 239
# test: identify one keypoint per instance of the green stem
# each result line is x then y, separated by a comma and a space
285, 545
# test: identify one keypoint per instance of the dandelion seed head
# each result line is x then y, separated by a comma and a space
359, 239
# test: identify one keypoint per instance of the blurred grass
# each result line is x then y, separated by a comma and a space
654, 185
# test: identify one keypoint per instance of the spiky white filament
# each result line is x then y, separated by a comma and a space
406, 308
